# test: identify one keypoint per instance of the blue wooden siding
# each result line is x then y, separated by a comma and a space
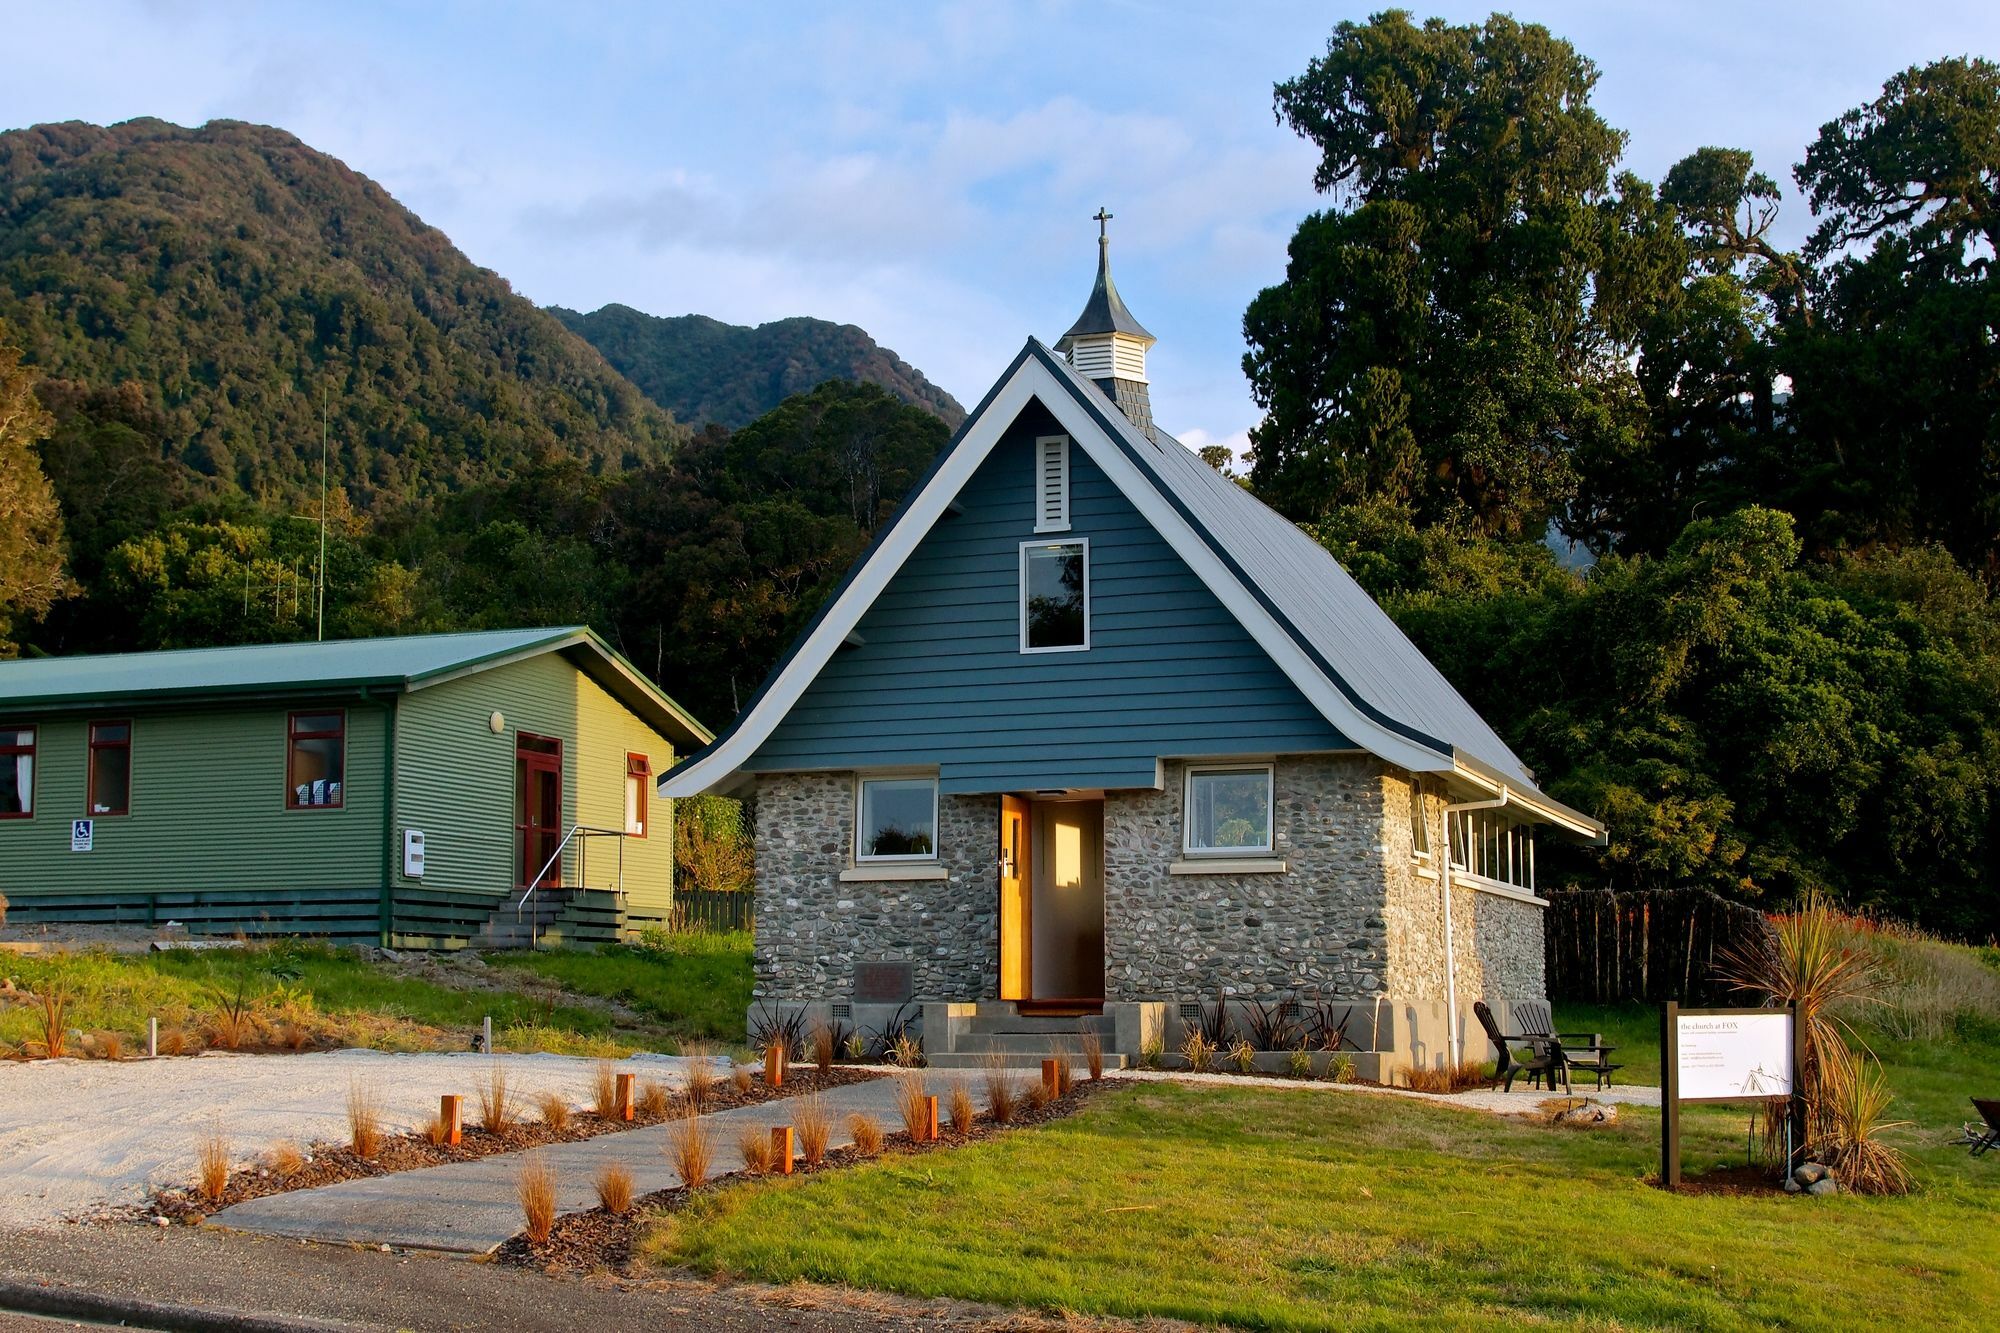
940, 678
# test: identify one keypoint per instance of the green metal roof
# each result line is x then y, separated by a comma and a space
402, 663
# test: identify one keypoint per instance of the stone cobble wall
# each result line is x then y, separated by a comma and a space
1317, 929
812, 928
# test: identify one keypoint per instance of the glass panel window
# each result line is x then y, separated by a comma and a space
110, 768
1229, 809
1055, 596
318, 761
898, 820
17, 772
1420, 834
638, 777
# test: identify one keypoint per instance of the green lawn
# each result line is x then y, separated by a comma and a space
1324, 1209
695, 986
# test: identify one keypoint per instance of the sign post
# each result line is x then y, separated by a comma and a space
1727, 1055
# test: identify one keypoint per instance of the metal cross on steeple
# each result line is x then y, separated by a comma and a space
1103, 232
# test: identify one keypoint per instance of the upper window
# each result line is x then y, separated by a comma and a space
317, 763
110, 791
1055, 596
638, 777
1420, 833
1229, 809
17, 772
1052, 483
897, 820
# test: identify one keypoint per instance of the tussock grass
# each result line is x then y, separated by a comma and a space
284, 1159
754, 1147
822, 1045
1197, 1050
497, 1111
913, 1105
1065, 1071
109, 1045
740, 1079
173, 1041
691, 1149
701, 1077
650, 1099
538, 1196
1091, 1041
52, 1008
1002, 1090
1857, 1115
866, 1131
435, 1131
1036, 1094
814, 1124
212, 1163
1461, 1077
364, 1119
959, 1107
604, 1090
614, 1189
555, 1111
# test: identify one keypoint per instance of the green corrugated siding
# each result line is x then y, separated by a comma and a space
208, 809
939, 677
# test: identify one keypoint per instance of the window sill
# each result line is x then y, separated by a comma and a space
1497, 888
1240, 865
865, 874
1425, 872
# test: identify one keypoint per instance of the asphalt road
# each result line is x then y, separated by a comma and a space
292, 1280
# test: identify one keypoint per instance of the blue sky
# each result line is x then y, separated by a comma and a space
926, 172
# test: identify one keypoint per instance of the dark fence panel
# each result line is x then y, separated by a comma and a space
1646, 946
714, 909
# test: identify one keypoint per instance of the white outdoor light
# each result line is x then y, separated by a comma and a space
496, 723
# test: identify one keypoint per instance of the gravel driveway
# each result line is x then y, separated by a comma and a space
80, 1137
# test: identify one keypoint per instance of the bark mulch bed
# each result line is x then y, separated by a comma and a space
1733, 1180
598, 1242
329, 1163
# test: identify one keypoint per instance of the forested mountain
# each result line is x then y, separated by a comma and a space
231, 277
701, 369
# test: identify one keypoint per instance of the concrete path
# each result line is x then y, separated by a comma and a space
474, 1207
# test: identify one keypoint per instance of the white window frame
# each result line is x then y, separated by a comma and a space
1042, 443
1083, 647
1420, 829
1269, 848
861, 781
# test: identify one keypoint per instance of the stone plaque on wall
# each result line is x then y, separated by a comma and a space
881, 983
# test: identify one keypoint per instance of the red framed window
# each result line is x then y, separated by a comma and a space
17, 772
110, 790
316, 760
638, 784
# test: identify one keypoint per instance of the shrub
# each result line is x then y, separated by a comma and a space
1243, 1055
1091, 1042
692, 1151
212, 1163
1270, 1024
235, 1018
604, 1090
754, 1147
538, 1196
771, 1026
364, 1120
173, 1041
815, 1127
959, 1107
52, 1014
1152, 1051
1001, 1090
906, 1052
856, 1046
711, 849
284, 1160
866, 1131
1341, 1068
1197, 1050
555, 1112
651, 1100
913, 1105
496, 1103
110, 1046
1858, 1096
1299, 1063
614, 1189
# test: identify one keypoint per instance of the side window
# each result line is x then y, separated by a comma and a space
110, 782
316, 761
1228, 810
896, 820
1055, 596
638, 779
1420, 833
17, 772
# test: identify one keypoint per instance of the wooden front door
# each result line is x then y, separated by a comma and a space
538, 819
1015, 898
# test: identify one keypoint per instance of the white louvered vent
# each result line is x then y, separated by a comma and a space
1052, 483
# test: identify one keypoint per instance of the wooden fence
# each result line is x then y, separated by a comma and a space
714, 909
1646, 946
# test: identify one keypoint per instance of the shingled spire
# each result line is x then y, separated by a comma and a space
1107, 346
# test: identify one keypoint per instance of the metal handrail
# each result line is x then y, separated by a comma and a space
582, 873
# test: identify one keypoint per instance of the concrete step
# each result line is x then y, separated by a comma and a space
974, 1060
998, 1023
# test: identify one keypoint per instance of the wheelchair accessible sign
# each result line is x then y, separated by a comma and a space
82, 834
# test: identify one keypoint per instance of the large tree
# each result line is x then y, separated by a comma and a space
31, 543
1461, 322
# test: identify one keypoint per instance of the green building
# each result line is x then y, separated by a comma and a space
404, 791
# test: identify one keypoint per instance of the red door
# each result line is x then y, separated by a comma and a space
538, 821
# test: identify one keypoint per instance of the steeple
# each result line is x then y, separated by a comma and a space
1106, 345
